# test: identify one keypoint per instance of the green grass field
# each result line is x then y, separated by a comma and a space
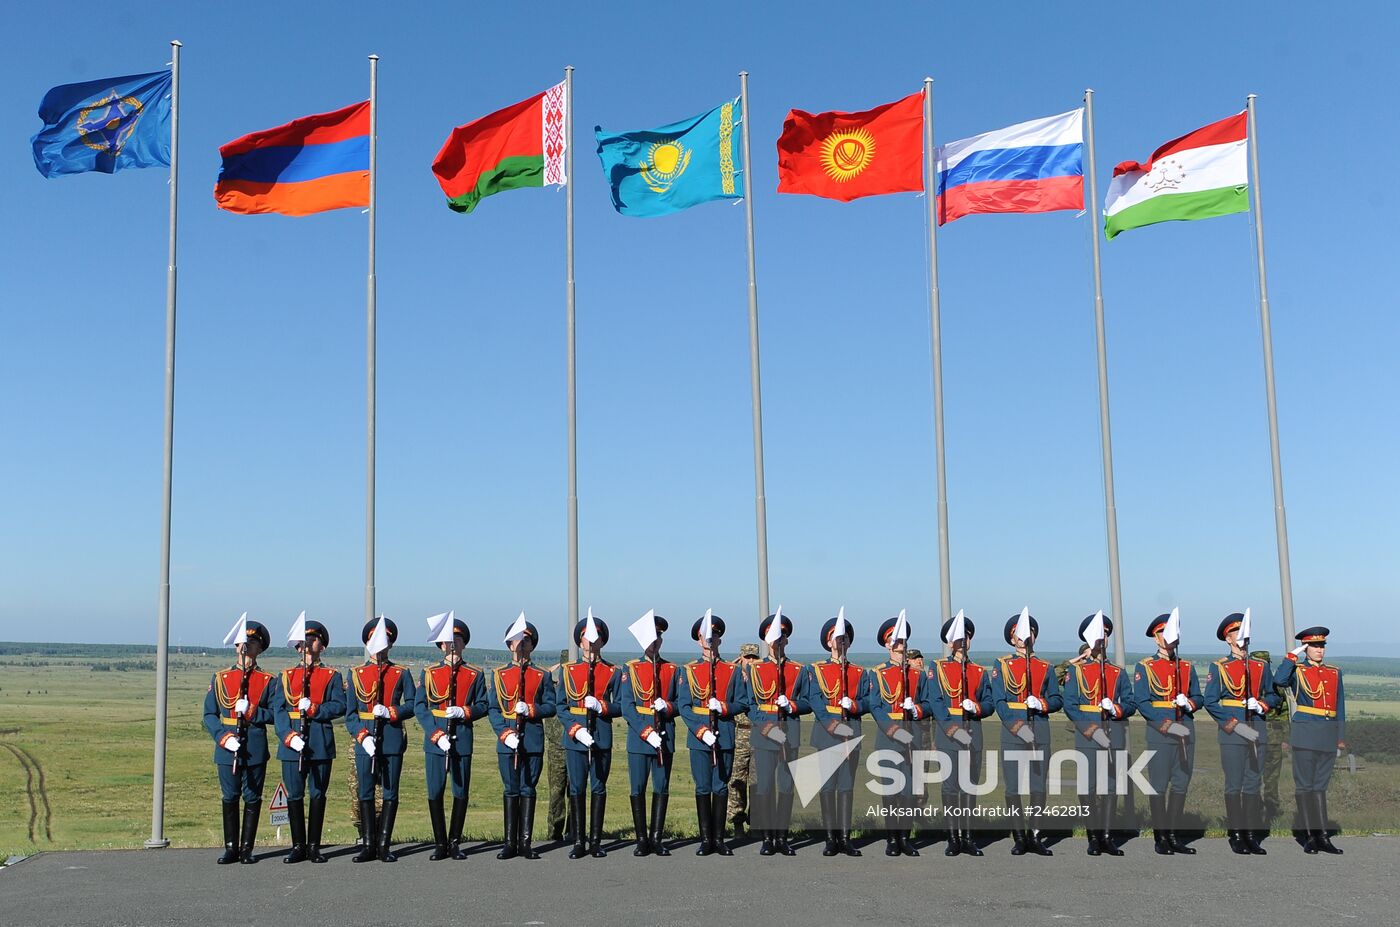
76, 750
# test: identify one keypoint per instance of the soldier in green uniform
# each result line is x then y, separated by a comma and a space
1276, 722
559, 827
743, 773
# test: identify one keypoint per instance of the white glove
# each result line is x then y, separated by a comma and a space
1257, 706
457, 712
969, 706
368, 746
903, 736
962, 737
445, 743
1182, 701
708, 738
847, 704
583, 737
1101, 739
232, 744
1034, 703
1025, 733
714, 705
1108, 706
658, 704
241, 706
907, 704
381, 711
777, 735
1247, 732
842, 730
512, 741
297, 743
521, 708
655, 740
1298, 651
1178, 730
783, 702
303, 703
592, 704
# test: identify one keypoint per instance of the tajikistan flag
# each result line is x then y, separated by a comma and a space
1204, 173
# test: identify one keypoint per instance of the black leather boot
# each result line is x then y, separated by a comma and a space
718, 804
1321, 839
580, 847
454, 830
230, 809
1033, 838
438, 818
784, 823
315, 817
386, 830
1017, 818
658, 824
1176, 804
510, 816
1232, 824
1105, 818
1305, 820
765, 813
1160, 842
702, 817
296, 820
1254, 829
844, 800
639, 823
829, 824
250, 833
597, 809
527, 826
371, 833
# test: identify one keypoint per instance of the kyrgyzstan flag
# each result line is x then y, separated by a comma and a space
847, 155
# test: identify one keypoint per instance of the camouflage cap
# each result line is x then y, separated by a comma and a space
748, 650
563, 656
1260, 655
915, 654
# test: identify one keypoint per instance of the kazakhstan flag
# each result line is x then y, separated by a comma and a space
653, 172
105, 125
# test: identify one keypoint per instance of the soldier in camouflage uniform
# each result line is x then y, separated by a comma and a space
743, 773
1277, 723
554, 764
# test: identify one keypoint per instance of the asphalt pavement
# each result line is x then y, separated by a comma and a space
168, 887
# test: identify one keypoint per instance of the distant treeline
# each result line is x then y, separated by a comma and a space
1375, 739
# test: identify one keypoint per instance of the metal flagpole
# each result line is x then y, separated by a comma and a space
1115, 587
755, 385
1285, 576
936, 346
573, 397
157, 840
370, 340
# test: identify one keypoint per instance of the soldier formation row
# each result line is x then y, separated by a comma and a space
305, 702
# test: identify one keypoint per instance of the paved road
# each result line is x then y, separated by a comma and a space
180, 887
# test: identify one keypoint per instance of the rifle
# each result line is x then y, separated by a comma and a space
305, 715
843, 665
782, 690
378, 721
966, 721
519, 716
656, 694
451, 722
1176, 690
1026, 697
592, 715
714, 715
245, 672
1253, 745
1104, 716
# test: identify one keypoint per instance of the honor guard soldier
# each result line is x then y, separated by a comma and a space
1318, 735
1098, 701
711, 694
383, 699
737, 811
519, 697
310, 697
897, 698
831, 690
775, 704
960, 696
237, 710
1239, 696
1167, 694
590, 692
647, 698
451, 698
1026, 693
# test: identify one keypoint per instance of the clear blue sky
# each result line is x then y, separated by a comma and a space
269, 470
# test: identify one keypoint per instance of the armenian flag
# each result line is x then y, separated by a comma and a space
843, 156
1034, 166
309, 165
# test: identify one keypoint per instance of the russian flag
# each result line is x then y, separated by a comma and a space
309, 165
1035, 166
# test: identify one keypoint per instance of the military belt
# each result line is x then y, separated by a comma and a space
1320, 712
233, 722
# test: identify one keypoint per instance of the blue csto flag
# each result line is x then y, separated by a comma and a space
653, 172
105, 125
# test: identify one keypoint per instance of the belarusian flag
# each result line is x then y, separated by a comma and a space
1204, 173
519, 146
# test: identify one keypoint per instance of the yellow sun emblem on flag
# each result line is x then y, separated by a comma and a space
665, 162
846, 153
